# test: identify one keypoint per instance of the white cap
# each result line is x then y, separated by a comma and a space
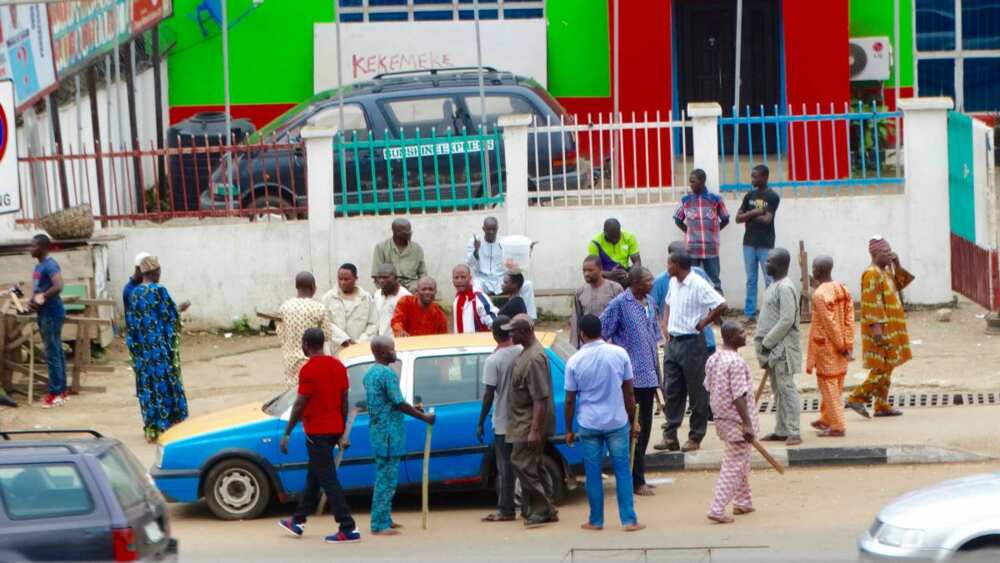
140, 257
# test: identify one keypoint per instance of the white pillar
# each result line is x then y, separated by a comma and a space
320, 167
515, 142
926, 252
705, 140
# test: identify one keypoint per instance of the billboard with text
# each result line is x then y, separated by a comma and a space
26, 53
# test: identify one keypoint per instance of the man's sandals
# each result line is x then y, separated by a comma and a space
497, 517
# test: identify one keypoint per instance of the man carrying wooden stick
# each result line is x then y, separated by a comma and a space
831, 344
730, 390
386, 407
778, 348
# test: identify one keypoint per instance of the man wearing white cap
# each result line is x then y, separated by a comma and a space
134, 281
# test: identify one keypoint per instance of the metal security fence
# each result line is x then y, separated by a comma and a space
418, 173
813, 151
608, 159
263, 180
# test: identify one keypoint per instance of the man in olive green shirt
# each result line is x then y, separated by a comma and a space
618, 251
531, 420
400, 251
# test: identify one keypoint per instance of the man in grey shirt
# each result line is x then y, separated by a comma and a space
778, 349
496, 377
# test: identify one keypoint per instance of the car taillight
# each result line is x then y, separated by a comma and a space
124, 544
564, 162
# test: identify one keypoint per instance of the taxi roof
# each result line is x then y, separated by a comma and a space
437, 342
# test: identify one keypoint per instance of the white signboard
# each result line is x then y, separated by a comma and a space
518, 46
26, 53
10, 193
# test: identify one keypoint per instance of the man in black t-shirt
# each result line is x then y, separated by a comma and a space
757, 210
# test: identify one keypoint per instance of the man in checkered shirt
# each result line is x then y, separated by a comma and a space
701, 215
730, 389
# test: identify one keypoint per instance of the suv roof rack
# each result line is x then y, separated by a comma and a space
410, 79
6, 434
434, 71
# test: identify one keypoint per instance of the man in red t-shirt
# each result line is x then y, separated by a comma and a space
322, 407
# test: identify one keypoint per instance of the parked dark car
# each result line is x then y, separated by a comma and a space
78, 499
383, 120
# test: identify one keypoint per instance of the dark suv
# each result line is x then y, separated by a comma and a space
73, 499
395, 127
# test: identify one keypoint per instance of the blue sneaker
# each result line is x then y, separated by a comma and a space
292, 528
342, 537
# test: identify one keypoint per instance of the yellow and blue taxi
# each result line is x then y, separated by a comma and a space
231, 458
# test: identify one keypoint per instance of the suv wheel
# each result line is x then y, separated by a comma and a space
270, 208
237, 489
552, 480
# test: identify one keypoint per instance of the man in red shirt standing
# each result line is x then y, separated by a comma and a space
322, 407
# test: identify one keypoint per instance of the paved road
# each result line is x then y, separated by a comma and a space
807, 515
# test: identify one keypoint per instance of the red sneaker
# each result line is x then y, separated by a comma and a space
64, 396
51, 400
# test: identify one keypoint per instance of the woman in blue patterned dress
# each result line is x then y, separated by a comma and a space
153, 338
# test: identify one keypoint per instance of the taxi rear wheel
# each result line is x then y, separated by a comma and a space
237, 489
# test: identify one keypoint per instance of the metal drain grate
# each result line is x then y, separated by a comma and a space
907, 400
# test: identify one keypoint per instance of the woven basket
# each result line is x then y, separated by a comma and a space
72, 223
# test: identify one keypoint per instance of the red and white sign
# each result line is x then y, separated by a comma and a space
369, 49
10, 193
146, 13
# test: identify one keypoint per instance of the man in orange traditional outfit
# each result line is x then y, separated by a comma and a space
831, 343
885, 343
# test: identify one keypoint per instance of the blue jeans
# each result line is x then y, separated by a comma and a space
594, 443
713, 268
50, 328
754, 259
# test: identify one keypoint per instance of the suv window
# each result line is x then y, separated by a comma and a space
43, 490
356, 375
442, 380
126, 485
497, 105
355, 122
439, 113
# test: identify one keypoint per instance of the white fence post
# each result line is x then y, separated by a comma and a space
320, 168
705, 138
927, 219
515, 144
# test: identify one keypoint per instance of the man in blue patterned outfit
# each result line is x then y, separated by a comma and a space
630, 322
386, 406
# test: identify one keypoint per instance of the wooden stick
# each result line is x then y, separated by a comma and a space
635, 439
425, 486
764, 453
761, 386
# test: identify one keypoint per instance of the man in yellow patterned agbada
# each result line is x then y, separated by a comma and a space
885, 343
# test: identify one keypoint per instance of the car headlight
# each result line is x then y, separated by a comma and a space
159, 455
899, 537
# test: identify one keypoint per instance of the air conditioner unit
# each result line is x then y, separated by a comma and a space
871, 58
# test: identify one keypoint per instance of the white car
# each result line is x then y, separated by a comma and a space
956, 520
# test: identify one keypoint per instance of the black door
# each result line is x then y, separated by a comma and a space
706, 57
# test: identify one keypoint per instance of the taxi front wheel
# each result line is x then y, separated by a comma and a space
237, 489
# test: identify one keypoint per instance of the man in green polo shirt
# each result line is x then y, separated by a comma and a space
618, 251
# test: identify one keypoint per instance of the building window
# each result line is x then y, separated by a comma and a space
356, 11
958, 52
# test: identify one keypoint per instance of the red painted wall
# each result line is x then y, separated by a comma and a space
817, 72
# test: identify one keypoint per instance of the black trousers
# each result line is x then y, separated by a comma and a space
644, 400
683, 382
322, 476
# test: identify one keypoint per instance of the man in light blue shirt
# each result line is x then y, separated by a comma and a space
599, 379
659, 294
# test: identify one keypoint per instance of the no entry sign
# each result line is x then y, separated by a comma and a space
10, 193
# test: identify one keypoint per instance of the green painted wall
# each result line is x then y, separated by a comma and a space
875, 18
271, 53
579, 48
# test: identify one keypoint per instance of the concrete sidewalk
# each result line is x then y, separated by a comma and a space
921, 435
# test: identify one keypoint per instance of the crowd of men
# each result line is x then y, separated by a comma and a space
622, 316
